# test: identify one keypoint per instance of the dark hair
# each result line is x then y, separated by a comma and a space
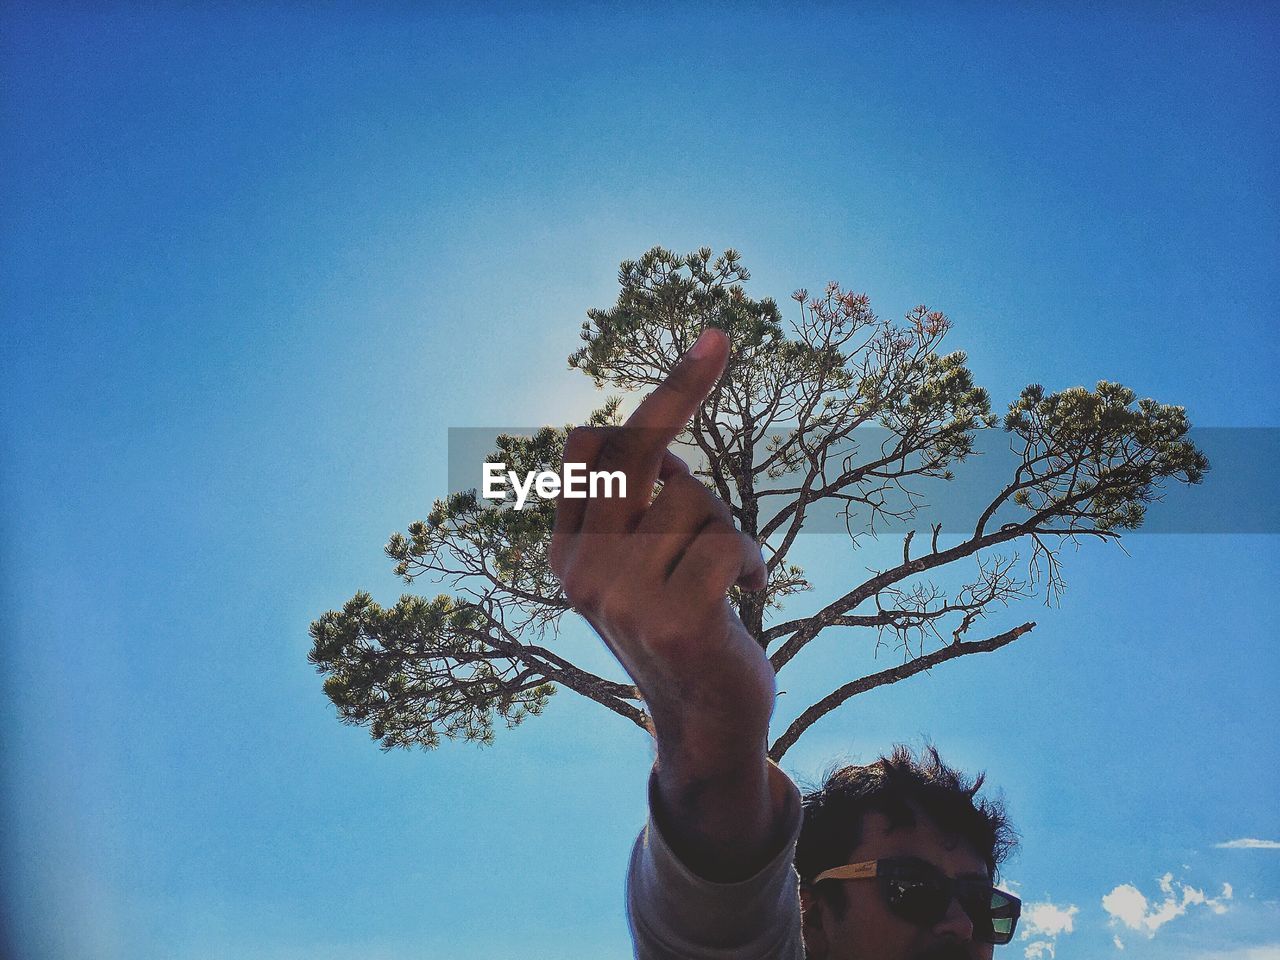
900, 787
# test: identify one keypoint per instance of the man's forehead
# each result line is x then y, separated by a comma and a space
949, 852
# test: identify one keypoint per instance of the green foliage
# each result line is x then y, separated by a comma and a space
665, 302
1091, 456
788, 407
419, 671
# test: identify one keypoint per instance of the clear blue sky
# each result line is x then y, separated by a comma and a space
257, 259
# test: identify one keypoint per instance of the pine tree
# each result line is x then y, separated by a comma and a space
777, 442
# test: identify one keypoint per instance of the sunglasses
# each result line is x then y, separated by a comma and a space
920, 893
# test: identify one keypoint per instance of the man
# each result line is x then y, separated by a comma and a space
934, 849
894, 867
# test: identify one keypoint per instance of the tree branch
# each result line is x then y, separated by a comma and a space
909, 669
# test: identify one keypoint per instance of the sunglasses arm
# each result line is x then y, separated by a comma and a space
850, 871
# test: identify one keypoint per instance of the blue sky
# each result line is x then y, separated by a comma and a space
258, 259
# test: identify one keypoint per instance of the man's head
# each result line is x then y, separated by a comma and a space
922, 816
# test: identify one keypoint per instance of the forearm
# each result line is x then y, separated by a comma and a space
722, 804
676, 913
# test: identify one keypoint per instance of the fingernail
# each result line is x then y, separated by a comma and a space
703, 347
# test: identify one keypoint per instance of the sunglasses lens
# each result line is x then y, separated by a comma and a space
1005, 911
994, 915
920, 894
919, 900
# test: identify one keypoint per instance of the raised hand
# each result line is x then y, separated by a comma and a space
652, 578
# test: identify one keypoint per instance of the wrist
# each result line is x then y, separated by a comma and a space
720, 748
723, 827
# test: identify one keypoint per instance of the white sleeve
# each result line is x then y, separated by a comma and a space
677, 915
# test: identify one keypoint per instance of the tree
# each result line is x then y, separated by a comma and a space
777, 443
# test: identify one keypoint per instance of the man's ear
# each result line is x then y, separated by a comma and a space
812, 910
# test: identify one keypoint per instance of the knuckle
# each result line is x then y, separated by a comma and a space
579, 441
722, 533
674, 501
616, 449
721, 508
683, 382
578, 588
684, 483
714, 558
687, 488
709, 499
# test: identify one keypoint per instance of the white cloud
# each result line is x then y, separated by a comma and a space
1046, 922
1127, 905
1249, 843
1118, 942
1047, 919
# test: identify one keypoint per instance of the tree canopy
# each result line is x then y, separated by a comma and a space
776, 441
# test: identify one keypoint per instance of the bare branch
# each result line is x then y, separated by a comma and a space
909, 669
